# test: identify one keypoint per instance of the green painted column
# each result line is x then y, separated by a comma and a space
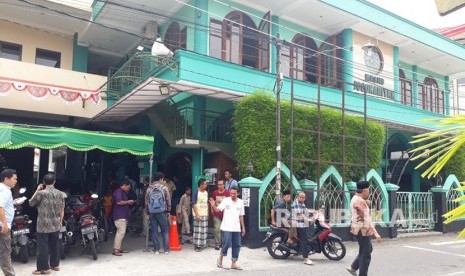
79, 56
395, 68
274, 31
348, 70
415, 87
446, 95
197, 166
416, 181
201, 21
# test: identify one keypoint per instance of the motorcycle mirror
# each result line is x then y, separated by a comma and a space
94, 196
22, 190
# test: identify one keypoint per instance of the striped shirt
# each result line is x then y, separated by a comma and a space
299, 210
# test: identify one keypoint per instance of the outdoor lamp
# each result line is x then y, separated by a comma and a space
388, 176
164, 89
368, 45
250, 168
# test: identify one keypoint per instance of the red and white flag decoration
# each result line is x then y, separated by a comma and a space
39, 91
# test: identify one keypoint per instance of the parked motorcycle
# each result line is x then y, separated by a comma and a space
64, 238
322, 241
91, 233
21, 245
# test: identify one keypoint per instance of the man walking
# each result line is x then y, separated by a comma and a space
200, 212
230, 181
121, 205
50, 204
8, 179
301, 221
218, 196
362, 227
158, 204
232, 226
185, 205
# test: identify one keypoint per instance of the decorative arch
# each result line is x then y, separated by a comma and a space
406, 96
378, 196
266, 194
334, 196
271, 175
451, 194
451, 182
304, 59
175, 37
240, 40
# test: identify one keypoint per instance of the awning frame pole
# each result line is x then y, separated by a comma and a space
148, 226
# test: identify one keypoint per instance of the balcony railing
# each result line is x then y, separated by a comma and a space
136, 70
203, 125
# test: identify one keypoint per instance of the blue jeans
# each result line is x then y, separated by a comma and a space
155, 221
231, 239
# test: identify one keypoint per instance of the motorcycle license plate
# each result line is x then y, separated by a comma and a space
88, 230
21, 231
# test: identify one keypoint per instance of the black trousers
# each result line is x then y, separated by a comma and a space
48, 242
363, 259
302, 234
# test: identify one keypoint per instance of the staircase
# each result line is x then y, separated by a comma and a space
179, 128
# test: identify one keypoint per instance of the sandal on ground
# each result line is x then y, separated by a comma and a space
198, 249
123, 251
236, 267
57, 268
218, 265
351, 271
41, 272
308, 262
117, 253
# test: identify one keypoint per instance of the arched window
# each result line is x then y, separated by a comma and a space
430, 97
405, 89
302, 56
240, 40
175, 38
330, 61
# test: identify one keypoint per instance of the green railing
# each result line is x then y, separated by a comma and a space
136, 70
203, 125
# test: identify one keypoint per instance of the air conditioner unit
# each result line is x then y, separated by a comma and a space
151, 30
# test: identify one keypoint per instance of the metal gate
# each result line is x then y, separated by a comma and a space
414, 211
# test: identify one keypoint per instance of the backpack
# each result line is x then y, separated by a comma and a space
157, 202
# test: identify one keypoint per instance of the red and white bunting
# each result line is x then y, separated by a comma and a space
40, 92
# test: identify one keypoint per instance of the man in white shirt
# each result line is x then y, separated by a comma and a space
232, 226
8, 180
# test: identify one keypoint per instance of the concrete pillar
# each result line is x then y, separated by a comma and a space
201, 19
250, 195
348, 56
392, 200
440, 208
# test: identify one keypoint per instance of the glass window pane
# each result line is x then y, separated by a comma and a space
10, 51
48, 58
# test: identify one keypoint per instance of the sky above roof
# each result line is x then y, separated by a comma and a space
422, 12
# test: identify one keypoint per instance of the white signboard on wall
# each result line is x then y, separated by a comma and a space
246, 196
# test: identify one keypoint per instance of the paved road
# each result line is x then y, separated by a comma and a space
429, 255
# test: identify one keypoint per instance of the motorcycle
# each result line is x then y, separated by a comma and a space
21, 245
322, 241
64, 238
88, 226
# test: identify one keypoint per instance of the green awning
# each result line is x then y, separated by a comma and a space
18, 136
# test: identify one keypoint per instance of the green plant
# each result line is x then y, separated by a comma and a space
443, 149
255, 137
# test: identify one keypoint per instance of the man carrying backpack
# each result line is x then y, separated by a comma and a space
158, 205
